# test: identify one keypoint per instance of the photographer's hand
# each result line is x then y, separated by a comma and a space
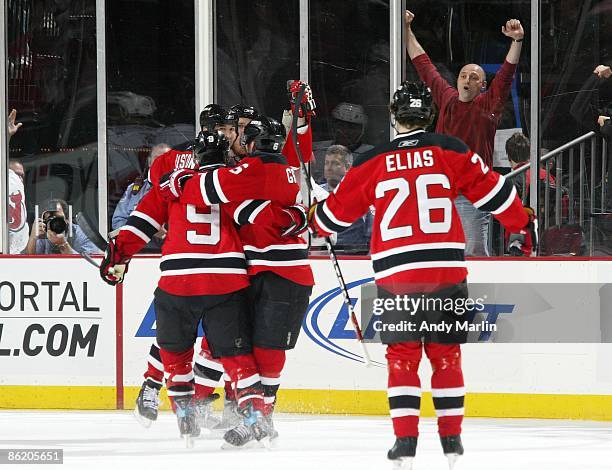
59, 240
38, 231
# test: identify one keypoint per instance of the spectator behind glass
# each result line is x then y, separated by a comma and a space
133, 195
517, 148
45, 241
605, 124
349, 123
338, 160
471, 113
17, 215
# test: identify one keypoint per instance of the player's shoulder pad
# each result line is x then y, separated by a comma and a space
270, 158
445, 142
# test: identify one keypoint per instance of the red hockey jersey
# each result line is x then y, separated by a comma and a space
202, 253
254, 183
175, 159
412, 181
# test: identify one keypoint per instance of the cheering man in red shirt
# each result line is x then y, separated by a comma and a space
471, 113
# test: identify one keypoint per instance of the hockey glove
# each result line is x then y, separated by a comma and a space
525, 242
312, 228
114, 265
299, 221
307, 106
171, 184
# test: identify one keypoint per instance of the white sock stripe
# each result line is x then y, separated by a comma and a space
401, 412
183, 377
206, 382
405, 390
448, 392
450, 412
269, 400
248, 381
204, 362
172, 393
155, 363
249, 397
270, 380
226, 377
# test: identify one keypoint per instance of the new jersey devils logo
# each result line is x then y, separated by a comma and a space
16, 212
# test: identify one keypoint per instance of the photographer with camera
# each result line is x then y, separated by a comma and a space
50, 234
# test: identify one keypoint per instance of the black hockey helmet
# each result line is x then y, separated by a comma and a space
212, 116
267, 133
243, 111
412, 101
211, 148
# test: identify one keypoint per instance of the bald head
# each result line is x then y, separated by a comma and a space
470, 81
158, 150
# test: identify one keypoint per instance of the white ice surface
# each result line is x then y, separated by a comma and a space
114, 441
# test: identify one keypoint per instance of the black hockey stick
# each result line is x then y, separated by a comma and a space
328, 244
90, 232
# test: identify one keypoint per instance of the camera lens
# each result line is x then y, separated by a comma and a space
56, 224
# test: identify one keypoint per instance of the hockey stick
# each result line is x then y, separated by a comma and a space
88, 229
330, 248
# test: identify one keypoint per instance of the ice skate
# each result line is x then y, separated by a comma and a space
204, 408
402, 453
452, 447
186, 416
251, 432
147, 404
230, 417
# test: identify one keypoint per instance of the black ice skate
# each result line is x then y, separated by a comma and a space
205, 415
186, 416
452, 447
402, 453
251, 432
147, 403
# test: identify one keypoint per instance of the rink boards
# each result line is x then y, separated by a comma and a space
67, 340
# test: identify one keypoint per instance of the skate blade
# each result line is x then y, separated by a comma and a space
452, 460
144, 422
403, 463
189, 441
254, 444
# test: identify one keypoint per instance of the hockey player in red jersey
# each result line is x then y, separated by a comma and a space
417, 248
212, 117
281, 277
203, 277
208, 372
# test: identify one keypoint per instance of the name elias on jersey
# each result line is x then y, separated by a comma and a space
409, 160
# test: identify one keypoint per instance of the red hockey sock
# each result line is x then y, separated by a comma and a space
155, 368
230, 394
447, 386
208, 372
245, 380
180, 380
404, 387
270, 363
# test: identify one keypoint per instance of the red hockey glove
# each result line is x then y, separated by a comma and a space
114, 265
171, 184
525, 242
299, 220
307, 106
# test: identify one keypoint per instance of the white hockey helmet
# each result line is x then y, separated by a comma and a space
349, 112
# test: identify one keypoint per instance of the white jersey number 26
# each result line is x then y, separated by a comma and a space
425, 205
